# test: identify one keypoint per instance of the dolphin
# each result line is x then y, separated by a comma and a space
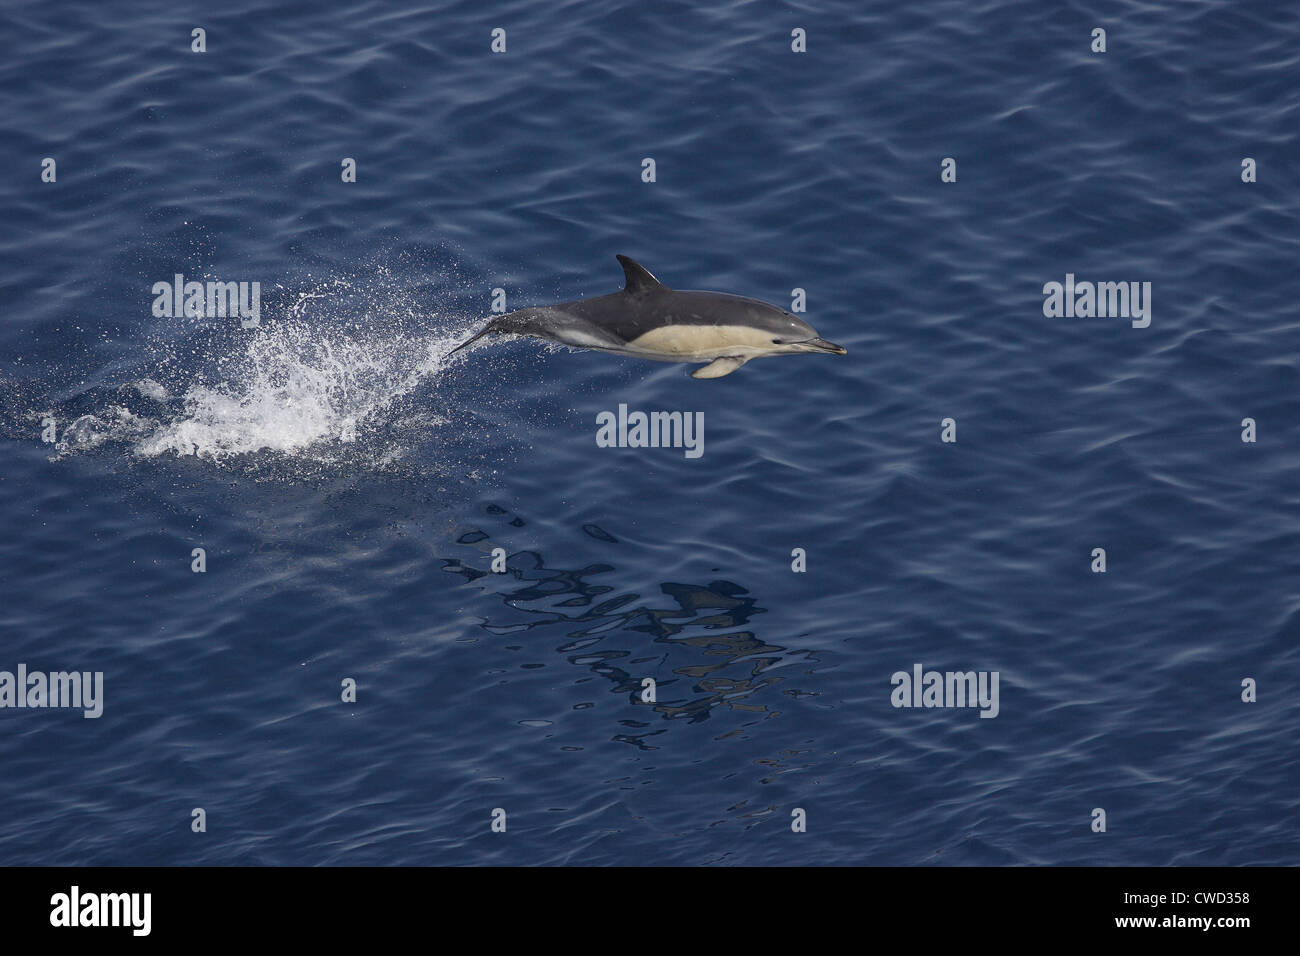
651, 321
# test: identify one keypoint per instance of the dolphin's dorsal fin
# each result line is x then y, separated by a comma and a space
639, 279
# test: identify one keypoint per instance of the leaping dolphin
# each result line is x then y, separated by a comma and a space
651, 321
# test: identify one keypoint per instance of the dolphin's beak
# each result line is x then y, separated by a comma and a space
821, 345
471, 340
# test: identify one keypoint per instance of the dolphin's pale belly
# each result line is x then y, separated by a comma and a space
700, 343
580, 335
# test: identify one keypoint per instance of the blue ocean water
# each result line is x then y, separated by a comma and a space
348, 481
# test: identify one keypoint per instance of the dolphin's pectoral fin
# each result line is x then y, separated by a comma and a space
720, 367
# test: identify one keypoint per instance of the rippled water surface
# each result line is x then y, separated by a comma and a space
349, 481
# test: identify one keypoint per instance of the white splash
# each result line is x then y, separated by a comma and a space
297, 388
151, 389
113, 424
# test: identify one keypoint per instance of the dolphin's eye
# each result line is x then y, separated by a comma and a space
777, 342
